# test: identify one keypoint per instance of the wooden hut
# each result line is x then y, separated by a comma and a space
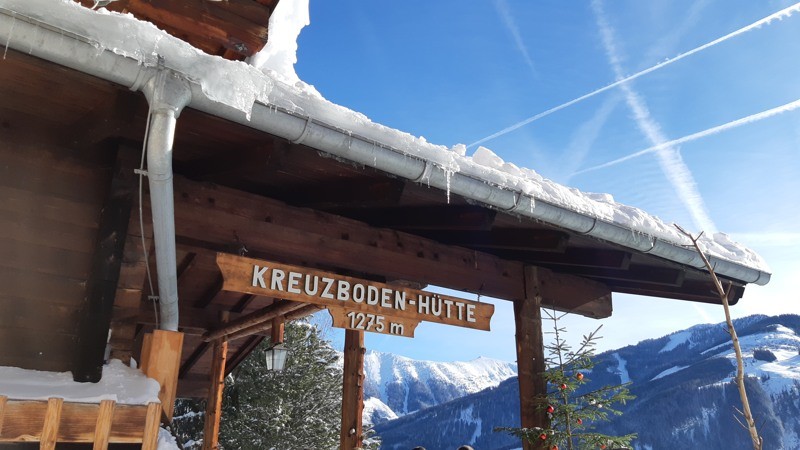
83, 240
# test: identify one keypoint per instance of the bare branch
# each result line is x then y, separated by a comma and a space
723, 296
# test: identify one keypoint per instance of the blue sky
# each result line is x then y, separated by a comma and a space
457, 72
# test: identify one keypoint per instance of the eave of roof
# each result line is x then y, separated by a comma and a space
123, 50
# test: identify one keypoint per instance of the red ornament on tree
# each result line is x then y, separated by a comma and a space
555, 447
563, 386
550, 409
543, 437
580, 421
579, 376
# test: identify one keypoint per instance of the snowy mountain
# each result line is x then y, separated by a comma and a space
396, 386
683, 383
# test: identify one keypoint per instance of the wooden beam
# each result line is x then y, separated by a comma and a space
301, 311
249, 345
193, 358
209, 295
105, 417
274, 230
503, 238
637, 273
573, 294
452, 217
101, 290
572, 259
694, 290
161, 359
348, 193
351, 435
265, 314
214, 400
530, 355
52, 420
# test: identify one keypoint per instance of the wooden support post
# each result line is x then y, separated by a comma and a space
351, 435
214, 402
530, 355
151, 426
161, 360
52, 420
101, 288
3, 402
278, 327
102, 430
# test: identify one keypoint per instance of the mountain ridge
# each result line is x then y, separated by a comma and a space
683, 387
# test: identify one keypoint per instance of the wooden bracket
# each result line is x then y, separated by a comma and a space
161, 360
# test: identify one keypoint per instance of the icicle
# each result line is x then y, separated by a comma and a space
10, 31
448, 175
32, 41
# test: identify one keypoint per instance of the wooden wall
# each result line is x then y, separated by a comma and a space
51, 202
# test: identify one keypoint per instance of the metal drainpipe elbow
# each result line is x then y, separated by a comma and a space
167, 93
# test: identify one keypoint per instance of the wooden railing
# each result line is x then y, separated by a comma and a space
54, 420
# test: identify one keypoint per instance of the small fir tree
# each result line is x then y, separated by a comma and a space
573, 408
296, 409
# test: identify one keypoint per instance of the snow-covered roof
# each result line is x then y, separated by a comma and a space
243, 87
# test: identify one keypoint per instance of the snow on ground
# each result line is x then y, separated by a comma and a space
240, 85
469, 377
166, 441
677, 339
669, 371
622, 369
777, 376
374, 409
119, 383
467, 416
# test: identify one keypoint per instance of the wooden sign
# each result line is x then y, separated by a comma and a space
375, 323
301, 284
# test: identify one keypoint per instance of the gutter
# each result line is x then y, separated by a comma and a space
79, 54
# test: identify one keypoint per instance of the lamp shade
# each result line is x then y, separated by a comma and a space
276, 357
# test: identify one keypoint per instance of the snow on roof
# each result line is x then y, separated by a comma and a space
120, 383
240, 85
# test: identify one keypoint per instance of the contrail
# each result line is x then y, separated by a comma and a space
508, 19
782, 14
700, 134
670, 160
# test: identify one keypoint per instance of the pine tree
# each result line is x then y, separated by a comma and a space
296, 409
573, 409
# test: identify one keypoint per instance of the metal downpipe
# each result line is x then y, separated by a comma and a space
167, 94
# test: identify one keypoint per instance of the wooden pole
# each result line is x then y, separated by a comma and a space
351, 435
151, 426
530, 355
52, 420
265, 326
278, 327
256, 318
214, 403
3, 402
102, 430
